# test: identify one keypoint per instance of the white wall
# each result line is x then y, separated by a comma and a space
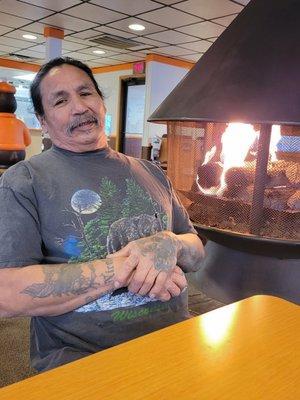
109, 83
161, 79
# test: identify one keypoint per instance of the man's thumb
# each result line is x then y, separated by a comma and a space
125, 252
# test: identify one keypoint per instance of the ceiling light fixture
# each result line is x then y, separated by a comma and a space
29, 36
136, 27
98, 51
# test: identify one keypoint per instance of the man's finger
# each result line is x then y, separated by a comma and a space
138, 278
149, 282
173, 289
125, 252
179, 280
159, 285
164, 295
124, 273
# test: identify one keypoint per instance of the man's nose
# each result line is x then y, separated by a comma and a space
78, 105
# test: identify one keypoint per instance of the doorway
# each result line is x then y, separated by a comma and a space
132, 115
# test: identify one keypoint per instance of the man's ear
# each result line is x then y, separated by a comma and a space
42, 122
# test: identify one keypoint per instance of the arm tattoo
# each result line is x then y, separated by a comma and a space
63, 279
161, 248
108, 275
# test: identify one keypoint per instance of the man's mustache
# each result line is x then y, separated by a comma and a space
81, 120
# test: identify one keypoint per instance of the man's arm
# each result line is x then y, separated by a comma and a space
57, 288
156, 257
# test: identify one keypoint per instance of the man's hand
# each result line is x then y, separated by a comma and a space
175, 284
154, 259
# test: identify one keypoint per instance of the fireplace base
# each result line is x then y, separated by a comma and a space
229, 275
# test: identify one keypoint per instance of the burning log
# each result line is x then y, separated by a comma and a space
237, 179
209, 174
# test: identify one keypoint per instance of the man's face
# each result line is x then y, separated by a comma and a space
73, 110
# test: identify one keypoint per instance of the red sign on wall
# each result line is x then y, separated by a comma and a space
139, 67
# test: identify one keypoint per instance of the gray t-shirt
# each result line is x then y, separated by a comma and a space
65, 207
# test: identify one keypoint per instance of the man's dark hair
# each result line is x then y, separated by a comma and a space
35, 90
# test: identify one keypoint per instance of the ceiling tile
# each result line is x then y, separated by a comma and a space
193, 57
115, 32
203, 30
21, 44
127, 57
200, 46
25, 10
4, 29
123, 25
168, 2
94, 13
169, 17
108, 53
171, 37
225, 21
17, 34
243, 2
7, 49
71, 46
149, 41
128, 7
110, 61
209, 8
30, 53
103, 61
38, 27
212, 39
39, 48
81, 56
66, 22
55, 5
142, 47
89, 33
171, 50
12, 21
93, 64
72, 39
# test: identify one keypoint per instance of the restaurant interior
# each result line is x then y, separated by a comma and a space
208, 90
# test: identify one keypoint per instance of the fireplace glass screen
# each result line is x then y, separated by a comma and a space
239, 178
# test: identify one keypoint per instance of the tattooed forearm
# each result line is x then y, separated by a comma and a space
161, 248
109, 274
63, 279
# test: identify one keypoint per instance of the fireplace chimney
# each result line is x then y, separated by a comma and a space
250, 74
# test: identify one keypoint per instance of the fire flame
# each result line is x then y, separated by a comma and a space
275, 137
237, 140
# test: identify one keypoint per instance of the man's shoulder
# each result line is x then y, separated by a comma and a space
23, 171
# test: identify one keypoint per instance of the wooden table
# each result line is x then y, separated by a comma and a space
247, 350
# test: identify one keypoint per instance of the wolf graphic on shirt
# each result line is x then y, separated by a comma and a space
117, 219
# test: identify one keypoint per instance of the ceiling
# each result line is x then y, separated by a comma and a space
180, 29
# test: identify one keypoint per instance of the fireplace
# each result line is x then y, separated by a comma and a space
234, 153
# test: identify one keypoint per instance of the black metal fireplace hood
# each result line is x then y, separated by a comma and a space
250, 74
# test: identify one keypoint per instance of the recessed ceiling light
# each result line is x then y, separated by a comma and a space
27, 77
136, 27
30, 37
98, 51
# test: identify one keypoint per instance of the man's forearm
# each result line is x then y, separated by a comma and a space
190, 252
54, 289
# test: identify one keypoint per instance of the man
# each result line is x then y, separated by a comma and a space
93, 243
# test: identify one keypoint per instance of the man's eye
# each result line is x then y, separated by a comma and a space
85, 93
58, 102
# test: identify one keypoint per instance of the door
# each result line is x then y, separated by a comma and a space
132, 116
